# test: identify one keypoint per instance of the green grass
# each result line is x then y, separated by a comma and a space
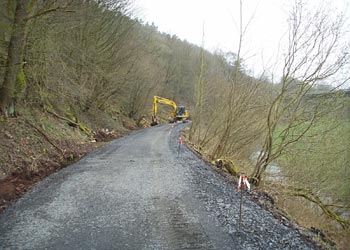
320, 159
320, 162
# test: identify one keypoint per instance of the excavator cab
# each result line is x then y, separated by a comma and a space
181, 111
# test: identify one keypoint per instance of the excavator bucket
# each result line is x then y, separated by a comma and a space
154, 121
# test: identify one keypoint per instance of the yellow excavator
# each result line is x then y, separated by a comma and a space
179, 113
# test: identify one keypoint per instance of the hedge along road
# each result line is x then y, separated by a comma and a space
140, 192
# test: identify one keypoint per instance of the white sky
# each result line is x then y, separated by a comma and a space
185, 18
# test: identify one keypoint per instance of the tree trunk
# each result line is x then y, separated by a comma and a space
14, 59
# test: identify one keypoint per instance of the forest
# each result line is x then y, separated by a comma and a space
69, 68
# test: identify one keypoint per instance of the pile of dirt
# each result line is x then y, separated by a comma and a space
15, 185
105, 134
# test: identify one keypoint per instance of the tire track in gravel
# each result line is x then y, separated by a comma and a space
139, 192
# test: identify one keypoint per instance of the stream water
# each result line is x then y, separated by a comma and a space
273, 171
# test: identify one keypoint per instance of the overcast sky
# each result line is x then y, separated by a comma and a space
220, 18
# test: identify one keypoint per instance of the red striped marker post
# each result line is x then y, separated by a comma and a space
242, 183
180, 143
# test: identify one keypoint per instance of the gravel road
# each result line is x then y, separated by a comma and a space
140, 192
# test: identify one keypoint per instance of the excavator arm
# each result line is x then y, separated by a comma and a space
158, 99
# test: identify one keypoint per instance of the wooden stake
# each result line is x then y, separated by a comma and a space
240, 209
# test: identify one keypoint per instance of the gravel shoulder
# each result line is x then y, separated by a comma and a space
141, 192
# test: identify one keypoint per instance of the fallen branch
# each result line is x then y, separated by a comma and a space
314, 198
83, 128
337, 206
330, 213
45, 136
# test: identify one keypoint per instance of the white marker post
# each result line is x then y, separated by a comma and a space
243, 181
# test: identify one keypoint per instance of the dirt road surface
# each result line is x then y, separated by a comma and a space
140, 192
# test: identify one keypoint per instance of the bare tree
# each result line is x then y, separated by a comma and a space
14, 57
240, 126
315, 53
231, 104
25, 11
198, 95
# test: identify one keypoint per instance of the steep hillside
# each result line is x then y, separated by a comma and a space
36, 143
